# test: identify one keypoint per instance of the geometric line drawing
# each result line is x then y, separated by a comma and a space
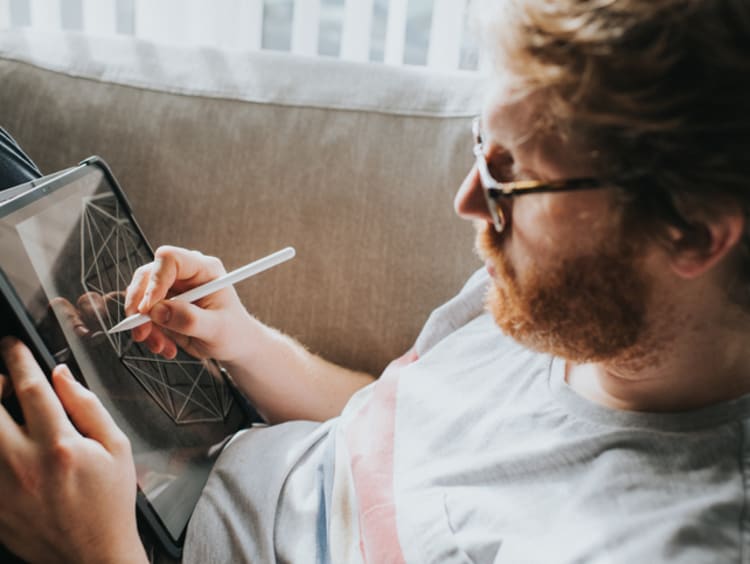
186, 389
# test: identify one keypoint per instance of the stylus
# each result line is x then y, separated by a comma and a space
256, 267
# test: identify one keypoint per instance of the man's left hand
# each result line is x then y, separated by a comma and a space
67, 486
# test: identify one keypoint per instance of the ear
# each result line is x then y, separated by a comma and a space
720, 235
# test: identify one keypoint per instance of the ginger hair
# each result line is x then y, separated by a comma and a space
656, 91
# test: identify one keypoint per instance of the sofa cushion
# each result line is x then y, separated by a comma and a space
238, 154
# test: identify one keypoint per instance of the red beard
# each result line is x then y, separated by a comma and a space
586, 308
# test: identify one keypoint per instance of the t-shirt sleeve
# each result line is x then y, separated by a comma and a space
455, 313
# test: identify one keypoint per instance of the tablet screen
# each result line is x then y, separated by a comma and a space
70, 251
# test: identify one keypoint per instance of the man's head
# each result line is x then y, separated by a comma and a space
648, 98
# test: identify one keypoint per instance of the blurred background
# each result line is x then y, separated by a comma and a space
433, 33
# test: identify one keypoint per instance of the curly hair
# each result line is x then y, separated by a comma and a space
657, 92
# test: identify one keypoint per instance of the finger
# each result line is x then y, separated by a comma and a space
93, 310
184, 318
9, 430
170, 349
45, 417
156, 342
137, 287
174, 340
154, 338
86, 411
69, 315
5, 388
173, 265
114, 302
141, 333
159, 342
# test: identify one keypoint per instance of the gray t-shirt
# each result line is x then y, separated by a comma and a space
474, 449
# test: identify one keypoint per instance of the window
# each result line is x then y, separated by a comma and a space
416, 32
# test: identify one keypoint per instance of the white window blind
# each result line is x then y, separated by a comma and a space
355, 35
306, 27
99, 16
46, 14
445, 33
395, 35
4, 14
431, 32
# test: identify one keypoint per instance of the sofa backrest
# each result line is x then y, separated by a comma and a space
238, 154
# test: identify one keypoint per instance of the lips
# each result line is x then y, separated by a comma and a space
490, 269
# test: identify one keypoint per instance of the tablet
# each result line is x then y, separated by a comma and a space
69, 246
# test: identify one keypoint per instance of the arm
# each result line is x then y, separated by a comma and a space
68, 492
282, 379
285, 381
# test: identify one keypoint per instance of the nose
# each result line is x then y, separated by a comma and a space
470, 202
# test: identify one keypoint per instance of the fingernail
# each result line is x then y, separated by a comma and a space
65, 371
160, 313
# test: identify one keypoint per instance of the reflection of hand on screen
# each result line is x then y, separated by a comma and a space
69, 315
97, 309
85, 318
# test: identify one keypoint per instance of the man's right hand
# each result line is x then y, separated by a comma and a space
281, 378
217, 326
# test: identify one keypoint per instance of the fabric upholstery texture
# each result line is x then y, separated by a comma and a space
239, 154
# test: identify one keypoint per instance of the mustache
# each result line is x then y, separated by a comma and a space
489, 246
488, 243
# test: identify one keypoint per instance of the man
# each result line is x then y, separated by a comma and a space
596, 410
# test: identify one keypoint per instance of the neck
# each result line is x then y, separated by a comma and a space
693, 365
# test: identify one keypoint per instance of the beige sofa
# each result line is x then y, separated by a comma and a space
239, 154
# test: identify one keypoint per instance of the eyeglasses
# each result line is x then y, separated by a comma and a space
495, 191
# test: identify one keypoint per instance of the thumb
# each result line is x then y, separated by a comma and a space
184, 318
86, 411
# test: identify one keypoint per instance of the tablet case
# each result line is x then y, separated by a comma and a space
16, 322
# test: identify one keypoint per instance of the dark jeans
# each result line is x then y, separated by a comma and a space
15, 166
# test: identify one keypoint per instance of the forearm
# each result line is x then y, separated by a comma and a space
285, 381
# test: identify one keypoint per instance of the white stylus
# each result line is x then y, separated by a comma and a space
256, 267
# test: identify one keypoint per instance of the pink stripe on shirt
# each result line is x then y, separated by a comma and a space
370, 440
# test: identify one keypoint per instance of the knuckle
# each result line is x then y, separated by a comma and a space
215, 265
88, 399
141, 271
7, 343
121, 442
186, 321
165, 251
213, 261
31, 389
62, 454
12, 350
198, 257
157, 276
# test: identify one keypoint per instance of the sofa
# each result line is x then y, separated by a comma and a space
238, 154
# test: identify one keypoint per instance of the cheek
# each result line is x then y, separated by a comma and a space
540, 230
550, 226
